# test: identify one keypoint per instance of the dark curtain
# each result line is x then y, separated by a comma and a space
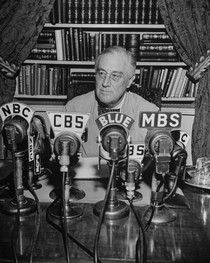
188, 24
21, 21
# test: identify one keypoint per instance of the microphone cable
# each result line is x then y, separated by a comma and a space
148, 223
64, 221
58, 228
141, 241
15, 229
153, 205
101, 217
37, 221
17, 217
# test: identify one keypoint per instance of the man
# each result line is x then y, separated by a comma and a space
115, 71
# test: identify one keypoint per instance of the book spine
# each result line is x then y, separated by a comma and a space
76, 11
155, 37
109, 14
81, 43
156, 47
159, 54
143, 11
123, 18
150, 11
136, 12
67, 44
76, 43
72, 47
59, 46
116, 12
89, 11
59, 8
129, 12
96, 11
68, 11
83, 11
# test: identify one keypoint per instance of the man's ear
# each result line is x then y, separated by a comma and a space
131, 81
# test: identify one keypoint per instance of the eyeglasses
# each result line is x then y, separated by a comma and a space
114, 76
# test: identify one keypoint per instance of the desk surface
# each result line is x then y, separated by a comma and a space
187, 239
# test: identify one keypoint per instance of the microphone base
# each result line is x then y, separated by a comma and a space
119, 210
121, 195
10, 206
162, 215
73, 211
75, 194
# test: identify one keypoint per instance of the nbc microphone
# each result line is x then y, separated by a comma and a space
15, 134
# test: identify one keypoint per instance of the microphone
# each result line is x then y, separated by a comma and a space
132, 178
66, 144
114, 141
14, 134
177, 166
39, 150
15, 138
160, 144
42, 139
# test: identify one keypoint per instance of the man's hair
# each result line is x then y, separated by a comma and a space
129, 58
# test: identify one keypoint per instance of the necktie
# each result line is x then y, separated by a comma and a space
102, 110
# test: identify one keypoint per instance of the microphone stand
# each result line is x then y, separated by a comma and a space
157, 212
19, 203
69, 210
129, 179
115, 209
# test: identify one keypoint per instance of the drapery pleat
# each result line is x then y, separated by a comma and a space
188, 24
21, 21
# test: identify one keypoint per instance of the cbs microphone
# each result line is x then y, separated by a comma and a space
66, 144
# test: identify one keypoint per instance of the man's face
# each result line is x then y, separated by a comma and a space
112, 79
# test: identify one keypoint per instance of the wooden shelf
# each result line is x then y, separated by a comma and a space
92, 63
186, 99
39, 97
148, 27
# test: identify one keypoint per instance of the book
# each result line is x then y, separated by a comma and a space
167, 81
156, 47
171, 83
59, 44
101, 11
155, 37
176, 81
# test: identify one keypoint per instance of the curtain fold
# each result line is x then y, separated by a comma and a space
188, 25
21, 21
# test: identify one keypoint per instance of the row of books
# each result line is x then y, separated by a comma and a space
47, 80
157, 47
171, 81
106, 12
77, 44
42, 80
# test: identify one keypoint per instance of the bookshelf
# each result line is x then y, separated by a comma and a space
78, 30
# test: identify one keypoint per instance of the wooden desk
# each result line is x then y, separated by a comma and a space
187, 239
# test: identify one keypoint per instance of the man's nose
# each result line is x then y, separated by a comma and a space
106, 81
